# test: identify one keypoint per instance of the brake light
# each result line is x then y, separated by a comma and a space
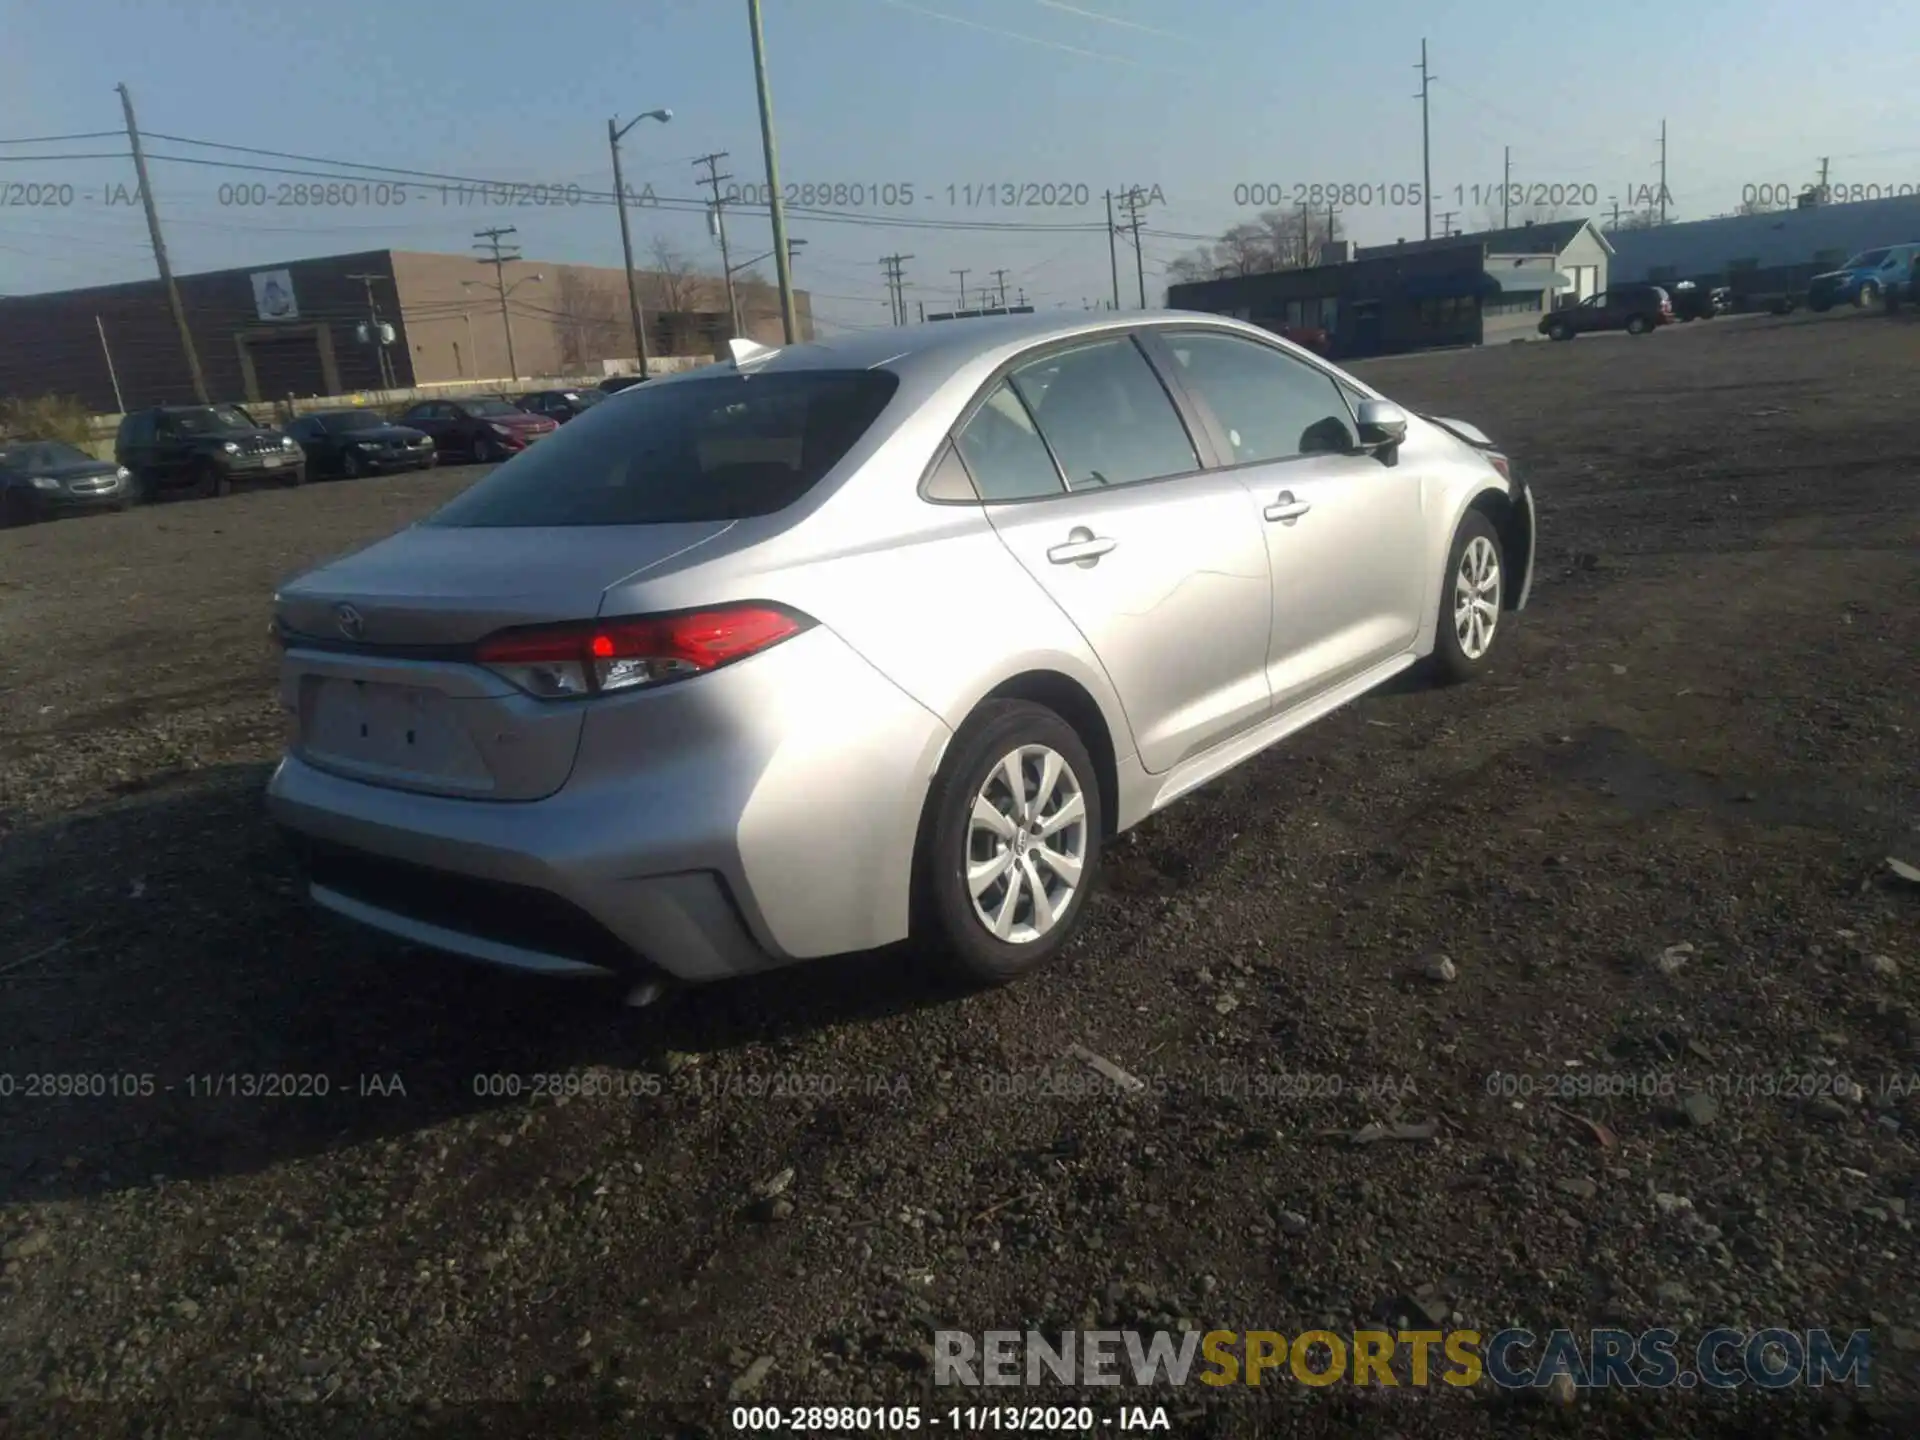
1499, 462
592, 657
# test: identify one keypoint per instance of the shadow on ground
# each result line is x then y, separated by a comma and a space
130, 994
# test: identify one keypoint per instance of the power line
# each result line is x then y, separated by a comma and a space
60, 139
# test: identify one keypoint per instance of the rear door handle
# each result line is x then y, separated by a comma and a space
1083, 547
1286, 509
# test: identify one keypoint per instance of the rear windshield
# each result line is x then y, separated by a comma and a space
490, 407
1867, 261
723, 448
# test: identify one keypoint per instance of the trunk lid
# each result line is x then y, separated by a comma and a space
375, 675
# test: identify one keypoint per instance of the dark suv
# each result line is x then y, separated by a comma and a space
207, 447
1635, 309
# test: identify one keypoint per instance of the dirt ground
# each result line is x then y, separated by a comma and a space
1703, 733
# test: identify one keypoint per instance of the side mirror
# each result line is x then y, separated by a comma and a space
1381, 424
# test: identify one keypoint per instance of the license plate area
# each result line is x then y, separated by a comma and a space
394, 734
274, 462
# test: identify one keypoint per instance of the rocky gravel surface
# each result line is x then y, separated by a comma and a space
1584, 996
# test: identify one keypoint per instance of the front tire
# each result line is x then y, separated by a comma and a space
1471, 595
1012, 845
1559, 331
1869, 295
210, 481
350, 465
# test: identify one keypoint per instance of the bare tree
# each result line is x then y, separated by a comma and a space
676, 281
1647, 219
1276, 240
589, 319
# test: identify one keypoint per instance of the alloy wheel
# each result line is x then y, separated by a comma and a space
1026, 844
1476, 597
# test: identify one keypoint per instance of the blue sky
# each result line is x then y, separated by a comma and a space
1197, 97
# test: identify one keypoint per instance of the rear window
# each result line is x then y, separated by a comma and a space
723, 448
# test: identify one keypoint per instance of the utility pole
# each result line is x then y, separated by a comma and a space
1616, 214
1331, 212
1113, 255
373, 327
1446, 219
160, 249
1135, 219
119, 402
614, 131
1426, 142
1506, 192
714, 177
1663, 172
483, 239
783, 261
1305, 226
895, 266
963, 288
1022, 298
1000, 277
1823, 179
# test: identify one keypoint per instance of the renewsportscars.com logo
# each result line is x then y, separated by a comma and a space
1721, 1359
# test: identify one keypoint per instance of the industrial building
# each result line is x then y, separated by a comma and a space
1768, 253
1477, 289
380, 319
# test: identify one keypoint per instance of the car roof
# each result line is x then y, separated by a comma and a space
946, 345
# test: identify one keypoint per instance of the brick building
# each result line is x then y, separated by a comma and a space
268, 331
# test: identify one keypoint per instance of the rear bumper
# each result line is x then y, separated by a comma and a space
762, 814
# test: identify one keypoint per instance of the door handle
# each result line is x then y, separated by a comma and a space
1286, 509
1083, 548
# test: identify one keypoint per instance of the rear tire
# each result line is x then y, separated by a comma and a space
1004, 875
488, 451
1639, 325
1471, 599
211, 481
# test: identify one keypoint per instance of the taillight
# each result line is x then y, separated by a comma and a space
1499, 462
592, 657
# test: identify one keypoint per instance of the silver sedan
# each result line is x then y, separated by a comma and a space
814, 649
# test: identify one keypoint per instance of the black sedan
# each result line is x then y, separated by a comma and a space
40, 479
360, 442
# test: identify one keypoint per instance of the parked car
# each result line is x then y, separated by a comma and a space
614, 384
560, 406
1695, 302
361, 442
480, 430
1307, 337
1863, 279
209, 448
686, 692
40, 479
1635, 309
1904, 291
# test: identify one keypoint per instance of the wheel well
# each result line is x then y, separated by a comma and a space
1516, 544
1070, 701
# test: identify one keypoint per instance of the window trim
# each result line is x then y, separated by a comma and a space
1200, 438
1217, 431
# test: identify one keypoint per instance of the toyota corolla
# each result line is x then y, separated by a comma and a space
829, 645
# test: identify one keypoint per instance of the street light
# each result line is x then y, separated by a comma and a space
615, 130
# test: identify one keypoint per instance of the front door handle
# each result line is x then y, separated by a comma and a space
1083, 548
1286, 509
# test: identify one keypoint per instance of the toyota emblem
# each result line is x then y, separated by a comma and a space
352, 625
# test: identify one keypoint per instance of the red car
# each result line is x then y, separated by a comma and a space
480, 430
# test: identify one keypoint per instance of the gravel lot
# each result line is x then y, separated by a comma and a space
1703, 734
